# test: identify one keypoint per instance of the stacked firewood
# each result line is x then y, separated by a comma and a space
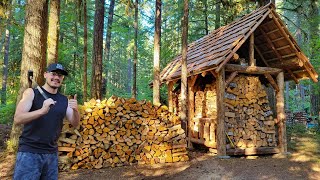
120, 131
300, 117
248, 116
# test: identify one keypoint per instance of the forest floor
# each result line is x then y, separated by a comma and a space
303, 162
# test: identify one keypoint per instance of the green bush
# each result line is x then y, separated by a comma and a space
296, 129
7, 113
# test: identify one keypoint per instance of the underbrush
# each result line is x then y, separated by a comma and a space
7, 113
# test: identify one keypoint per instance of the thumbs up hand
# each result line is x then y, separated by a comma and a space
73, 103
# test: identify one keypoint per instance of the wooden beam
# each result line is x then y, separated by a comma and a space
215, 75
221, 136
281, 114
298, 53
252, 70
191, 82
261, 56
272, 81
235, 49
252, 61
293, 76
170, 96
231, 77
274, 49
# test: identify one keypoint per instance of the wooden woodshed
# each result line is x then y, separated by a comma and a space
229, 71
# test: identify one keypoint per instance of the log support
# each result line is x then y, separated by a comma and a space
281, 114
221, 136
252, 61
191, 82
170, 96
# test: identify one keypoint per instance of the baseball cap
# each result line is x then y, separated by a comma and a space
56, 67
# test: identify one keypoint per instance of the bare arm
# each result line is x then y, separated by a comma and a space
73, 115
22, 114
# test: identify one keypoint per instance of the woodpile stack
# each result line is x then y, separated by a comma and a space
300, 117
118, 131
289, 117
248, 116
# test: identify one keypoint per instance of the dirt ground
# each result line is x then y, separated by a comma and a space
302, 163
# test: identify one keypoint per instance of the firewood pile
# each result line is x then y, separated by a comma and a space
248, 116
300, 117
289, 117
118, 131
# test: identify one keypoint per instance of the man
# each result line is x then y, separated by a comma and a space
37, 156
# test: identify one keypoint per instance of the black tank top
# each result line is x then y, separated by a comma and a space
41, 135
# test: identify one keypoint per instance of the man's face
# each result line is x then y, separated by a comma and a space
54, 79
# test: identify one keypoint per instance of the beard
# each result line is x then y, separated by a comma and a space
53, 86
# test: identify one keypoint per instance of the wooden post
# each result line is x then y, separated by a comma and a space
191, 108
170, 96
252, 61
221, 136
281, 114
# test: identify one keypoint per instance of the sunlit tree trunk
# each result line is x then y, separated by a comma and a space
85, 50
184, 71
107, 48
156, 54
97, 50
53, 31
135, 50
33, 53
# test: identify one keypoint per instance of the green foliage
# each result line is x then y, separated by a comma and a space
296, 129
7, 113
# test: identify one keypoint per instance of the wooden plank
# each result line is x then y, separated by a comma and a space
221, 137
253, 151
281, 114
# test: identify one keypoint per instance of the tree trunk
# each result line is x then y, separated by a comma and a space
53, 31
33, 53
135, 50
205, 2
184, 70
314, 22
97, 50
156, 54
5, 64
218, 12
85, 50
107, 47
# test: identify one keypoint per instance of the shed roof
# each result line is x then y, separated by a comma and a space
274, 47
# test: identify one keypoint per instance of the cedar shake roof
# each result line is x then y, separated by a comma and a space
274, 47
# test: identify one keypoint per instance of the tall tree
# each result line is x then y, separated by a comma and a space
85, 50
53, 31
107, 47
218, 12
184, 70
135, 50
97, 50
33, 53
6, 58
156, 54
313, 26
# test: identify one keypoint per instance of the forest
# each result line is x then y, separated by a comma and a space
126, 43
116, 49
